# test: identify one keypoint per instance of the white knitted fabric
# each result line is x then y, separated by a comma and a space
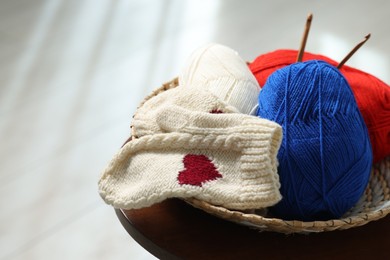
239, 151
222, 71
201, 100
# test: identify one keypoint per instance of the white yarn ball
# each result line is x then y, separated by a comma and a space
223, 72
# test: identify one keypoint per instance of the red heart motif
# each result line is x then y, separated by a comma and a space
372, 95
198, 170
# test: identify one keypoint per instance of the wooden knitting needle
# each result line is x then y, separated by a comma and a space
304, 37
349, 55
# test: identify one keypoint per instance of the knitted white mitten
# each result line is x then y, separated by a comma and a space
224, 159
222, 71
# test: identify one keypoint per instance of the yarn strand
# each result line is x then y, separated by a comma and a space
321, 139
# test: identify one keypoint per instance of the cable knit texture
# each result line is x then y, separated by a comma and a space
241, 148
225, 74
144, 121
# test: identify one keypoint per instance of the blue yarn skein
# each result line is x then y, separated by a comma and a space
325, 157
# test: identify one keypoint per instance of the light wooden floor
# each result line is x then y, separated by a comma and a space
73, 71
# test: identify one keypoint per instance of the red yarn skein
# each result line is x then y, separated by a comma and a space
372, 95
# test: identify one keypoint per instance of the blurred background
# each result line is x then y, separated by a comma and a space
72, 73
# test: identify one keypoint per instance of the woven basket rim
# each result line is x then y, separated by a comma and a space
265, 223
288, 226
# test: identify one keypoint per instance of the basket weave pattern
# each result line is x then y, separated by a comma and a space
373, 205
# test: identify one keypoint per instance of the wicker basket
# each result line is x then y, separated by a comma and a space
373, 205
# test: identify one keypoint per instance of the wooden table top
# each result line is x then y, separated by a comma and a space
175, 230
